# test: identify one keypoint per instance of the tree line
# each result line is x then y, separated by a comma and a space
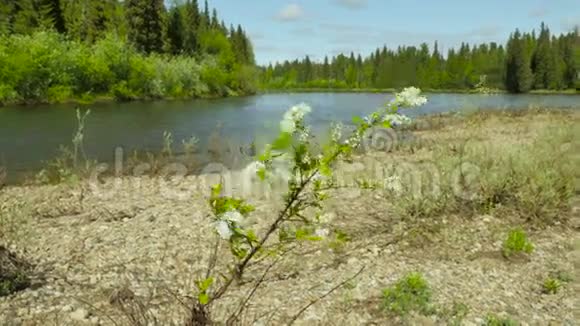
527, 62
147, 34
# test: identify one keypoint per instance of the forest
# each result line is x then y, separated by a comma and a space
84, 50
528, 61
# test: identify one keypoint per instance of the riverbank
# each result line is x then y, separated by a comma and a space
392, 90
131, 247
47, 67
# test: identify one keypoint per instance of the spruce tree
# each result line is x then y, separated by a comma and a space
175, 30
191, 22
146, 24
519, 76
51, 11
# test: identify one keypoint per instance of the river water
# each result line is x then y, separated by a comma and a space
29, 136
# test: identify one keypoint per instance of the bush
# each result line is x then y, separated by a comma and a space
493, 320
516, 243
13, 273
411, 293
551, 286
46, 67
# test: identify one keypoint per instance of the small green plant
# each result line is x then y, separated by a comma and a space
190, 145
411, 293
454, 316
494, 320
12, 273
517, 243
167, 143
551, 286
562, 276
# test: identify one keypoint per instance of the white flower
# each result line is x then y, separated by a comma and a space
322, 233
287, 125
410, 96
223, 229
292, 116
233, 216
336, 133
397, 119
254, 167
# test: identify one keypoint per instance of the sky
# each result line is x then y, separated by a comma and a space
285, 30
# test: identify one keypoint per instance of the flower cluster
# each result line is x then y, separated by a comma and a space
396, 119
293, 116
409, 97
227, 223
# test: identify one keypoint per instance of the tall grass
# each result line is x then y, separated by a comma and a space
532, 179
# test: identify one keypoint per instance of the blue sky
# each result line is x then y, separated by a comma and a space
282, 29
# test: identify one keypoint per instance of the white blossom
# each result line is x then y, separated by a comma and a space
292, 116
322, 233
410, 97
233, 216
287, 125
336, 132
397, 119
223, 229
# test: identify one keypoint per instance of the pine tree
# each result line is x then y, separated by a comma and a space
25, 18
54, 11
191, 22
519, 76
146, 24
175, 30
569, 59
6, 10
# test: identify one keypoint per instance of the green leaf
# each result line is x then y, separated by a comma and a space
283, 142
206, 284
386, 124
357, 120
216, 190
203, 298
261, 174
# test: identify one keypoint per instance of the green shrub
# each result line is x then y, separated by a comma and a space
493, 320
551, 286
516, 243
13, 273
410, 293
59, 94
47, 67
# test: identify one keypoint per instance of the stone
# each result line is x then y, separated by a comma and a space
79, 314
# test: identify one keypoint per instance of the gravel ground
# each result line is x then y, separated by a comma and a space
140, 244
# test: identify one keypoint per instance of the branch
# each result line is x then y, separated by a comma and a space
311, 303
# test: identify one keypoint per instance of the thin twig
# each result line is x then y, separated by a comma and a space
311, 303
233, 317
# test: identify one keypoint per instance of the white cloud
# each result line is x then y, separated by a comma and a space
352, 4
539, 12
291, 12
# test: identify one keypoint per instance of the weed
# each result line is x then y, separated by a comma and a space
551, 286
410, 293
494, 320
516, 243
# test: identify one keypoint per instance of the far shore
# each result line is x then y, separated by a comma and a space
427, 90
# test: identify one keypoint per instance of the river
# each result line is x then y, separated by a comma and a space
29, 136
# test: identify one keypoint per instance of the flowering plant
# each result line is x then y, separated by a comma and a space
310, 176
